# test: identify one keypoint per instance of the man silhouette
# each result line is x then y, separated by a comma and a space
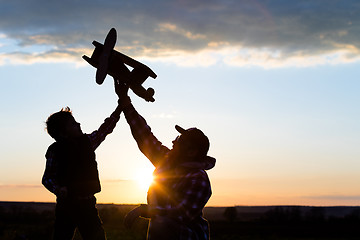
181, 186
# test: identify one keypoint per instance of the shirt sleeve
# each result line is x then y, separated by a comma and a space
148, 144
49, 179
98, 136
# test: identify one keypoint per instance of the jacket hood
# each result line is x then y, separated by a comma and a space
205, 163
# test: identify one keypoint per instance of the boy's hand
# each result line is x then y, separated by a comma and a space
140, 211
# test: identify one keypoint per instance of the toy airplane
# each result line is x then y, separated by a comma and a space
109, 61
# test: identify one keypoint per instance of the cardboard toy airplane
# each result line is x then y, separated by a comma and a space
109, 61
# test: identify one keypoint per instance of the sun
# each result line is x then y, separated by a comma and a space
144, 177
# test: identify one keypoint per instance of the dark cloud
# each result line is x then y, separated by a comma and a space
293, 28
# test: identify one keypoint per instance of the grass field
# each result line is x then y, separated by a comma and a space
34, 221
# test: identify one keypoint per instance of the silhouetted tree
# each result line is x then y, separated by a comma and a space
353, 216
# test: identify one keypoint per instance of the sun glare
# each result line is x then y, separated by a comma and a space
144, 177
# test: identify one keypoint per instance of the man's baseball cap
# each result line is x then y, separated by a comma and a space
196, 137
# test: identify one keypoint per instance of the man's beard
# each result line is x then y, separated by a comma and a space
175, 156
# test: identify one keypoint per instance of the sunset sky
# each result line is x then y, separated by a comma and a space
273, 84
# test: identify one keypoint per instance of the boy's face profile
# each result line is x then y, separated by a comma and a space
72, 129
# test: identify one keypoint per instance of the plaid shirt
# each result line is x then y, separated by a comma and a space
178, 192
50, 179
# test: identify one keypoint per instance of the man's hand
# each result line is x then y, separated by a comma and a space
141, 211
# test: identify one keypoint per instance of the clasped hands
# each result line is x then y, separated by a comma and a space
121, 89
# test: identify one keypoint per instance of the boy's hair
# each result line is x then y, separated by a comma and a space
56, 122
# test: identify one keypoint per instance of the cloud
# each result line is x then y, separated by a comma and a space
117, 180
241, 33
336, 197
20, 186
44, 57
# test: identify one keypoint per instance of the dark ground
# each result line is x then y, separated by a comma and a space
34, 221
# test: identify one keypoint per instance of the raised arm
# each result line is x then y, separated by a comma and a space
98, 136
148, 144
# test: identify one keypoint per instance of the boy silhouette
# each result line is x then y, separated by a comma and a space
181, 186
71, 174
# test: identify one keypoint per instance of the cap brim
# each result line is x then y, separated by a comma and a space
180, 129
